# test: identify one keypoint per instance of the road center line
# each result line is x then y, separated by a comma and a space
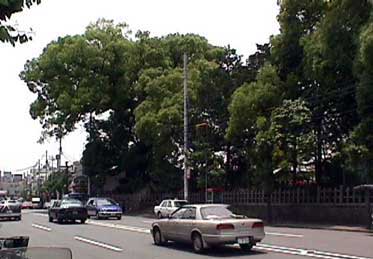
41, 227
97, 243
283, 234
118, 226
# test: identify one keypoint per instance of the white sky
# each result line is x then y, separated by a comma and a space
240, 23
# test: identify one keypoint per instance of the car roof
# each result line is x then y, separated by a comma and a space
206, 205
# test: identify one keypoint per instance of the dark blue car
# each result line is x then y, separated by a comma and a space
103, 208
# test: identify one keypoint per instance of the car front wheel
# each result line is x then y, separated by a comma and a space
157, 237
197, 243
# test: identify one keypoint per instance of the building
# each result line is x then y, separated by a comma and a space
7, 177
14, 189
17, 178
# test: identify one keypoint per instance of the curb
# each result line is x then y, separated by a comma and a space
341, 229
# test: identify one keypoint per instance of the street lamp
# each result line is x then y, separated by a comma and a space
204, 126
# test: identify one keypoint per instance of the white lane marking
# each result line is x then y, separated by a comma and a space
118, 226
283, 234
97, 243
41, 227
305, 252
338, 255
41, 214
148, 221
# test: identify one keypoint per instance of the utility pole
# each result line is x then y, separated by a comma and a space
38, 179
186, 194
59, 155
46, 165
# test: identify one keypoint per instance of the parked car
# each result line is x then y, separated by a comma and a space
208, 225
167, 207
68, 210
36, 203
26, 205
10, 209
103, 208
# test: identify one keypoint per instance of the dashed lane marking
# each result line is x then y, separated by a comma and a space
118, 226
40, 214
41, 227
98, 243
283, 234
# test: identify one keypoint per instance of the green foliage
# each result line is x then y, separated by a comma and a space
298, 107
9, 33
56, 183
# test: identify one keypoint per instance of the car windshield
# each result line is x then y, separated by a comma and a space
180, 203
71, 201
216, 212
105, 202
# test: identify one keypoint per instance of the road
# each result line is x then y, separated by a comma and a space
130, 238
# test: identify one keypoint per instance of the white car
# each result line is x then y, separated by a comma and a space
167, 207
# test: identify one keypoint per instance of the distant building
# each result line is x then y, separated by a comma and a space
17, 178
7, 177
13, 189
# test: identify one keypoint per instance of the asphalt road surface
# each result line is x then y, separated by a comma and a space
130, 238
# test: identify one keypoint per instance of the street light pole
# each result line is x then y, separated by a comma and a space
186, 194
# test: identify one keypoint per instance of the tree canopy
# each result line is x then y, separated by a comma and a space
297, 110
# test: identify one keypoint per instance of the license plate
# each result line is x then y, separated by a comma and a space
243, 240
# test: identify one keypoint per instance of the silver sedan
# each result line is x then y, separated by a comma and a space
208, 225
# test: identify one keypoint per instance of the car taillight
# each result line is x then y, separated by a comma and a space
258, 225
224, 226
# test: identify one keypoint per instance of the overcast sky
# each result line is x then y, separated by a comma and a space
240, 23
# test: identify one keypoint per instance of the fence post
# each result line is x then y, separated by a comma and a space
318, 195
341, 189
335, 195
298, 195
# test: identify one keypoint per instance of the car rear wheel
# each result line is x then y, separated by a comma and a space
197, 243
82, 221
18, 218
157, 237
159, 215
246, 247
119, 217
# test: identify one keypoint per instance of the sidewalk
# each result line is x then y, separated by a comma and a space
324, 227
